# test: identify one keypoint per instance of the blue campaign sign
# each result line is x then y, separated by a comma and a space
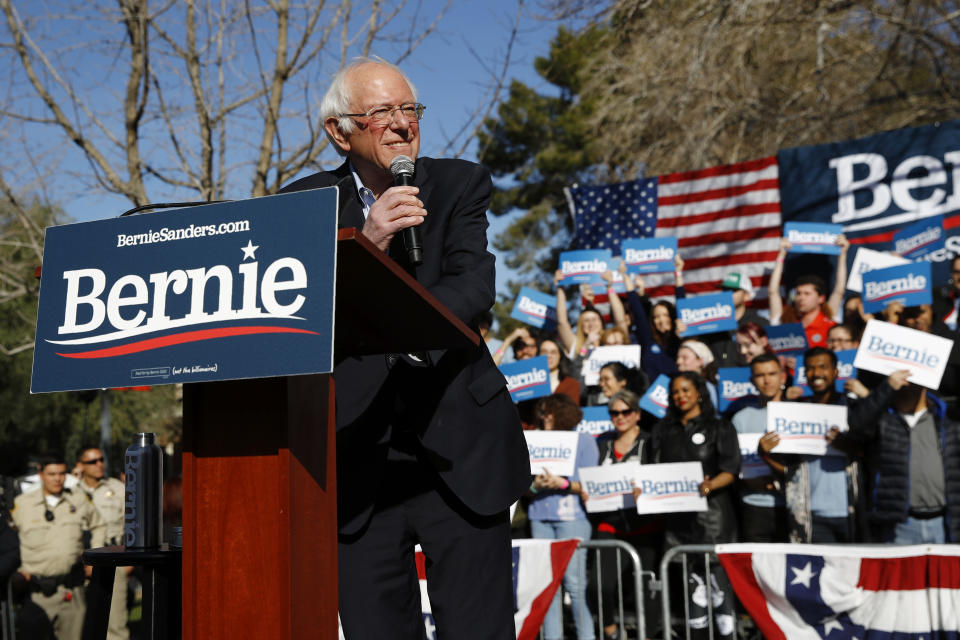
920, 239
787, 339
218, 292
527, 379
707, 314
845, 371
656, 399
584, 267
734, 383
649, 255
813, 237
908, 284
875, 186
535, 308
596, 420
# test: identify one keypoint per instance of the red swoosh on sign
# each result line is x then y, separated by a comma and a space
180, 338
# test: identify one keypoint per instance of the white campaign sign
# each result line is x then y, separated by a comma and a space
555, 451
885, 348
609, 487
670, 487
627, 354
803, 426
751, 464
868, 260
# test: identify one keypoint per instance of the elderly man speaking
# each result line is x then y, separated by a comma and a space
429, 446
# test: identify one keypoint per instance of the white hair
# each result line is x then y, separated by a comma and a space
337, 99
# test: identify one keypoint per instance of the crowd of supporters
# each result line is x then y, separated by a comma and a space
893, 477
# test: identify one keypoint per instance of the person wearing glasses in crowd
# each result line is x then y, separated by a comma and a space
51, 522
625, 443
106, 494
430, 448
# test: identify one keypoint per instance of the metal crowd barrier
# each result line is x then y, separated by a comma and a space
682, 553
639, 576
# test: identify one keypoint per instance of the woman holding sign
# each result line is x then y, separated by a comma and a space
691, 432
625, 444
556, 513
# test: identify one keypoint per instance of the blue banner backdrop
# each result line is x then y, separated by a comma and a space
877, 185
216, 292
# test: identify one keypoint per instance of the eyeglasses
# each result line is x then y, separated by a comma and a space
616, 414
412, 111
94, 461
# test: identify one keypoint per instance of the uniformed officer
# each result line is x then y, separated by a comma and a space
107, 496
51, 522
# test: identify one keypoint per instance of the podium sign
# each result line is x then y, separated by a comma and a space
216, 292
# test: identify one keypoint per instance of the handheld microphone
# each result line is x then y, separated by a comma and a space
402, 169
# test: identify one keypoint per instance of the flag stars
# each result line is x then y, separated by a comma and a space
249, 250
803, 576
830, 625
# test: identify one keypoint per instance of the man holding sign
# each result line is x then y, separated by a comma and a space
762, 514
822, 491
913, 462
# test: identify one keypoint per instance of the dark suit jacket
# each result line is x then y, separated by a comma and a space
457, 406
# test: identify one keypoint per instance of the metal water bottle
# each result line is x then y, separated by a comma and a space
143, 505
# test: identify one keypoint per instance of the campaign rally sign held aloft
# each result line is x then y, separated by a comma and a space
868, 260
626, 354
670, 487
584, 267
555, 451
845, 371
875, 186
787, 339
657, 398
216, 292
707, 314
609, 487
596, 420
885, 348
813, 237
733, 383
908, 284
803, 426
649, 255
535, 308
527, 379
920, 239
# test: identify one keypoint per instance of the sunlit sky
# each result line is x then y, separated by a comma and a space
449, 71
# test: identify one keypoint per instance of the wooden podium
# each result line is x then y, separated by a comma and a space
259, 465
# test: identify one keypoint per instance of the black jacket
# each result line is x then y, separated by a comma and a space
712, 442
887, 444
456, 406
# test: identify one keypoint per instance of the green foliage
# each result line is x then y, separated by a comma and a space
538, 144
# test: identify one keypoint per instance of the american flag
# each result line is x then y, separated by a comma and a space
724, 218
605, 214
840, 592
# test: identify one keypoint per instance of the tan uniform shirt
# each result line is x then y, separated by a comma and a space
50, 548
107, 497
